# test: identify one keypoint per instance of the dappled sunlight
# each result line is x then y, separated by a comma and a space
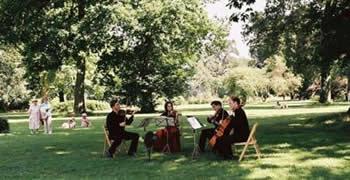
95, 153
7, 134
328, 122
62, 133
181, 159
49, 147
188, 137
324, 162
295, 125
82, 129
62, 152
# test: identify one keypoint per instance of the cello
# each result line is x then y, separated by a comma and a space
219, 132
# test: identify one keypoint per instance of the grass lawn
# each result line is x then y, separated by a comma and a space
302, 142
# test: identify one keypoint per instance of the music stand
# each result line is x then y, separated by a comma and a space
144, 123
195, 124
166, 148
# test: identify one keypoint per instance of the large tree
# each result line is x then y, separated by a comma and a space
155, 48
311, 34
54, 32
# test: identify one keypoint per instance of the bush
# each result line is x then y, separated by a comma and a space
4, 126
91, 105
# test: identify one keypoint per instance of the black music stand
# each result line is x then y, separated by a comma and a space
195, 124
144, 123
166, 148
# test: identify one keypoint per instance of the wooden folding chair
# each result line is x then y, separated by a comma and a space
250, 141
107, 142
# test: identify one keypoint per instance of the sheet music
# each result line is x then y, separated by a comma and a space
195, 124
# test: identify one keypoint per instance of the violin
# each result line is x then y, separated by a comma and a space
219, 132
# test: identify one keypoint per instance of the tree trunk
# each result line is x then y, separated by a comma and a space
325, 95
147, 104
61, 96
348, 87
79, 90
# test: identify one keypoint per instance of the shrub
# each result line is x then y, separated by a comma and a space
4, 126
91, 105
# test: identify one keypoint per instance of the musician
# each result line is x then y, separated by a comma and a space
172, 131
116, 122
219, 115
240, 127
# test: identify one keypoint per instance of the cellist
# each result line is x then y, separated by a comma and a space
238, 125
220, 114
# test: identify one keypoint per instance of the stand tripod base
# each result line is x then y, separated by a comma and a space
195, 152
166, 149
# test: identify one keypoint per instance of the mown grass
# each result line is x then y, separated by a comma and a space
306, 142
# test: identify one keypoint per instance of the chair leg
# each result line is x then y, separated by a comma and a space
243, 152
258, 153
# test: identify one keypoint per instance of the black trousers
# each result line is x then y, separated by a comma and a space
223, 145
134, 137
205, 134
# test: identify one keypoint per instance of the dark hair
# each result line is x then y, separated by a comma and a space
236, 99
166, 105
216, 103
113, 102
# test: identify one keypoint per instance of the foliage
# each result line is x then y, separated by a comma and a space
282, 81
310, 34
156, 44
248, 82
12, 84
211, 70
91, 105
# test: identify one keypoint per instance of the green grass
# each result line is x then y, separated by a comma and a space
302, 142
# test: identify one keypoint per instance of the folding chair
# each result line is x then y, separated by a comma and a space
250, 141
107, 142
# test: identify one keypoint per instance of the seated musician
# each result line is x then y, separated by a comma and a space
219, 115
239, 125
172, 131
116, 122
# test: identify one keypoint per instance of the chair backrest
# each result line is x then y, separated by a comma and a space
252, 132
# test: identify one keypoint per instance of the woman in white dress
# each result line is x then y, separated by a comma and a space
46, 115
34, 116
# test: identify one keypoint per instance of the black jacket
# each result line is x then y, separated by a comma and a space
113, 124
240, 126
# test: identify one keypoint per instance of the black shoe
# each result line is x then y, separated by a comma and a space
230, 158
108, 155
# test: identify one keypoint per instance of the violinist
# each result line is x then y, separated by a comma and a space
170, 132
116, 122
238, 125
219, 115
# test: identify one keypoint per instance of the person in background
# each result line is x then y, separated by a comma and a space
70, 123
46, 115
34, 117
85, 122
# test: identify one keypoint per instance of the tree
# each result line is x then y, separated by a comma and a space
51, 33
12, 84
309, 33
248, 82
155, 47
211, 70
282, 81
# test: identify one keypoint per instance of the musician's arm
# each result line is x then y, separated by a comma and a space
129, 120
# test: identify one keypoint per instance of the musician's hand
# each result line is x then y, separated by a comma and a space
122, 124
220, 121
